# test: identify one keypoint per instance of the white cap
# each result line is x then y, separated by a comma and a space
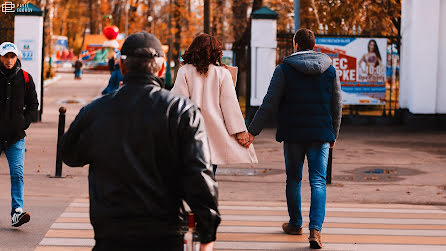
7, 47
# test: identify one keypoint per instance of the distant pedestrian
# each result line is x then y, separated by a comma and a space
204, 79
78, 69
306, 93
18, 108
114, 81
148, 151
112, 64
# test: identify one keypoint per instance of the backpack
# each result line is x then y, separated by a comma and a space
26, 77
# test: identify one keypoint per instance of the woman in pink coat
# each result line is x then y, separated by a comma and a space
204, 79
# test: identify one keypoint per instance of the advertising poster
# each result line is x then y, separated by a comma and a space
228, 58
26, 47
361, 66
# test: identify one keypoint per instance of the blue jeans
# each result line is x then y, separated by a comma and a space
317, 156
214, 168
16, 159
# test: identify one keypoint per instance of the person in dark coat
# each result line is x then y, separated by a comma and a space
78, 69
114, 81
148, 152
18, 108
306, 93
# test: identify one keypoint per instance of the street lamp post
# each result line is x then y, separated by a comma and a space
206, 11
150, 20
296, 15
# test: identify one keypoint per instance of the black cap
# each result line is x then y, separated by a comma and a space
142, 44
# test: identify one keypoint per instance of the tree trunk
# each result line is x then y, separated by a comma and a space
117, 10
92, 15
242, 40
177, 42
218, 21
206, 14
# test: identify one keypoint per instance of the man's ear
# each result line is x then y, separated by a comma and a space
162, 62
122, 67
296, 47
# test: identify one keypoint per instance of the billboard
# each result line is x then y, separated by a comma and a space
361, 66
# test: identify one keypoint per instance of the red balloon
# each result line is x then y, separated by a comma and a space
111, 32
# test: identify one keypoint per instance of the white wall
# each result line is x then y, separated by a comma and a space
441, 77
406, 60
263, 57
29, 30
423, 65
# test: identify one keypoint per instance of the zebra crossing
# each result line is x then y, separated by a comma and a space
256, 225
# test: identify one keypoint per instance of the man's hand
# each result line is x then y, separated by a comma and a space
243, 138
207, 247
251, 138
332, 144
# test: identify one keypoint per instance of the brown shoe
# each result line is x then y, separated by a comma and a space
291, 230
315, 239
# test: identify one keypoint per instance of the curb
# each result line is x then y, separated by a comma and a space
51, 81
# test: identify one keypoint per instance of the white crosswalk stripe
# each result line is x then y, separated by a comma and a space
250, 226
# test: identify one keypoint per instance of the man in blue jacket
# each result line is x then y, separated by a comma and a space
306, 93
115, 79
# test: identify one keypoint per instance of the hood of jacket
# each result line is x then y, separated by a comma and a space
308, 62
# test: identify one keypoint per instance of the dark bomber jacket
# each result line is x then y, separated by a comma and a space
147, 150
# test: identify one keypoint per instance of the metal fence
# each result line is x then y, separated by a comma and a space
285, 48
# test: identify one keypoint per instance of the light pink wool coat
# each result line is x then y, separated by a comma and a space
215, 94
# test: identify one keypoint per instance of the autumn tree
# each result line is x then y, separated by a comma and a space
374, 17
241, 28
7, 23
285, 11
219, 20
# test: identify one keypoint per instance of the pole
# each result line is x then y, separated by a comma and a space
42, 73
329, 166
296, 15
206, 12
60, 132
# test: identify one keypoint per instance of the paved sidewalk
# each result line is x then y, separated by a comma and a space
256, 225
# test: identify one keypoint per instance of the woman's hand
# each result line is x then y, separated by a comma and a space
243, 138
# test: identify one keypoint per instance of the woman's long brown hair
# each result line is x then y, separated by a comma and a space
203, 51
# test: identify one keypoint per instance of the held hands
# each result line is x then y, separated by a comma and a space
244, 138
207, 247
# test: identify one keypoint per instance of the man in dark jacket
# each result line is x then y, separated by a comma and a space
114, 81
306, 93
18, 108
148, 151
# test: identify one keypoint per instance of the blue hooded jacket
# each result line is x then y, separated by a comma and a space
306, 94
115, 79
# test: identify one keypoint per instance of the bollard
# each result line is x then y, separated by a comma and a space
330, 160
60, 132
